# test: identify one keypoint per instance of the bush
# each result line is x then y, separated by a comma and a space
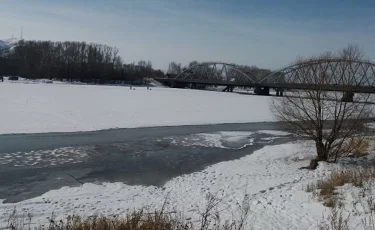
359, 146
326, 188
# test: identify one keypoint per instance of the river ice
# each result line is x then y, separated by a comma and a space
39, 108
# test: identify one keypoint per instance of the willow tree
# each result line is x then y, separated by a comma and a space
326, 110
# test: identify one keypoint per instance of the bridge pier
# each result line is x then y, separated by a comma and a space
347, 96
178, 84
228, 89
279, 92
197, 86
262, 90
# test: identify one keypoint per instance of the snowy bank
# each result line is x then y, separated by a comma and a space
39, 108
270, 178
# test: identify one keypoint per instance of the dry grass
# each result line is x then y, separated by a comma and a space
330, 202
360, 215
141, 220
137, 220
336, 220
326, 188
359, 146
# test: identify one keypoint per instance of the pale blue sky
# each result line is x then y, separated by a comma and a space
269, 34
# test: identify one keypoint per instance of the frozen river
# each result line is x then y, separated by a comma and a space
32, 164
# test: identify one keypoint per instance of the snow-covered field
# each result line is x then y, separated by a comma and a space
270, 179
37, 108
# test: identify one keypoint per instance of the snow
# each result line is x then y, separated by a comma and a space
39, 108
269, 177
274, 132
216, 140
53, 157
371, 125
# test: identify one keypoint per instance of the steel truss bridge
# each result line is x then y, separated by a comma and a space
346, 75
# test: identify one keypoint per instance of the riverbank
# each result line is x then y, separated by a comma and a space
270, 179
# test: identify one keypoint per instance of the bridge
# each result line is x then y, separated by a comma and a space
346, 75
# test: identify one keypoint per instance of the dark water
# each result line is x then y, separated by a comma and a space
33, 164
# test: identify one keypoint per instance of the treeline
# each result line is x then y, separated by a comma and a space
80, 61
73, 61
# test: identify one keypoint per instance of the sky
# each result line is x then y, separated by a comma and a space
269, 34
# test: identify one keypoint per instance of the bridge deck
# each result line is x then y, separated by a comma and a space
354, 89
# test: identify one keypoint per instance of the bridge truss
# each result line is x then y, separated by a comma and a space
354, 76
328, 72
217, 72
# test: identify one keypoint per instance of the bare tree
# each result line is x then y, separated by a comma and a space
149, 64
142, 63
174, 68
193, 63
331, 119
